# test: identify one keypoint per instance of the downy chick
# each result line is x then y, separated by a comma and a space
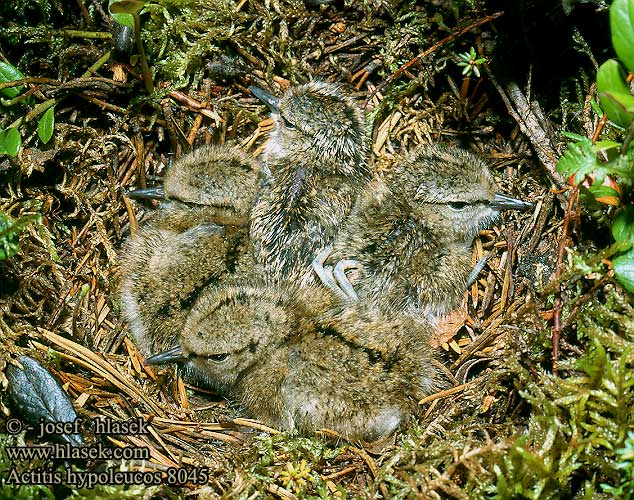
198, 238
317, 164
296, 360
409, 235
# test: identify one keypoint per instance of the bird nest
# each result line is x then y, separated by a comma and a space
506, 423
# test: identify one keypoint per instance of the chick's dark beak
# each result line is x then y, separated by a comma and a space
504, 202
269, 99
172, 355
156, 193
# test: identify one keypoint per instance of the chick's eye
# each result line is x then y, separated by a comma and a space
218, 358
287, 124
457, 205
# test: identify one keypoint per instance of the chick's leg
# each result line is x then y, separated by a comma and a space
325, 273
342, 279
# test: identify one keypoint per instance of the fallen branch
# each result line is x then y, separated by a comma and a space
533, 125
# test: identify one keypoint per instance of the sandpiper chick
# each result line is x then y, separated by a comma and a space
198, 238
317, 164
409, 235
296, 360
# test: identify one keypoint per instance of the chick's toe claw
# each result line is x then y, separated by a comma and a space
325, 273
342, 279
318, 264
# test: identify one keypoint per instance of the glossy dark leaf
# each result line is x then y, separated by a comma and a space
37, 394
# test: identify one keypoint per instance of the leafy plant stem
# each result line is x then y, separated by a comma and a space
19, 98
4, 85
99, 35
36, 111
25, 219
100, 62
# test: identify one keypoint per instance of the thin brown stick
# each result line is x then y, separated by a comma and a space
367, 459
340, 473
84, 12
22, 81
100, 365
558, 304
283, 493
431, 50
131, 217
194, 105
102, 104
600, 125
254, 424
191, 137
445, 393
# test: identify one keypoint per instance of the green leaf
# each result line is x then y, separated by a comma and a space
606, 145
580, 160
595, 107
8, 73
46, 125
122, 11
623, 224
10, 141
621, 167
605, 194
124, 20
573, 136
624, 269
622, 28
614, 93
126, 6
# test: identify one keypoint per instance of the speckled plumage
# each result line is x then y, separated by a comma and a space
411, 232
316, 158
197, 239
297, 360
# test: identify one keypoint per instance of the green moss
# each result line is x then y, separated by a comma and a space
579, 420
278, 459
